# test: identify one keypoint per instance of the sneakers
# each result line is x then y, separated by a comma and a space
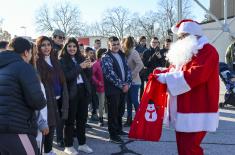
60, 143
123, 133
50, 153
116, 139
101, 124
70, 151
88, 126
94, 118
85, 148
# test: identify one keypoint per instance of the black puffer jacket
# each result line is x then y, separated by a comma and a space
20, 95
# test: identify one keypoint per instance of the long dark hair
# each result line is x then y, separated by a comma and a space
66, 56
46, 72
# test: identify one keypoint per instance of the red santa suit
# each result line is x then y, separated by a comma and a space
193, 87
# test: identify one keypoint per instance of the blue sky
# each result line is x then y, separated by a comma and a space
18, 13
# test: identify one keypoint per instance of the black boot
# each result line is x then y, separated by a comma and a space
101, 121
128, 122
94, 118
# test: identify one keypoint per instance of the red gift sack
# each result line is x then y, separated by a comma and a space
147, 124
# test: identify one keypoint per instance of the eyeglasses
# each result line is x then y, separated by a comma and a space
155, 42
116, 44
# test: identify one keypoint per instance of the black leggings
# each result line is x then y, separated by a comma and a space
60, 123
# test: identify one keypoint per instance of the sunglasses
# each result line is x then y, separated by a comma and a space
61, 38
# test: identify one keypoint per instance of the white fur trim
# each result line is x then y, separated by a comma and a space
194, 122
201, 42
176, 83
161, 78
174, 29
191, 28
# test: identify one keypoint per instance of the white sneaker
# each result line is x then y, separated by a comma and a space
50, 153
71, 151
85, 148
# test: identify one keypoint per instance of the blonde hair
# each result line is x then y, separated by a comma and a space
128, 45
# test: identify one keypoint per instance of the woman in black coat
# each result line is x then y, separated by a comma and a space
53, 79
77, 72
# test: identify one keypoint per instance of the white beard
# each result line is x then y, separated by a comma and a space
182, 51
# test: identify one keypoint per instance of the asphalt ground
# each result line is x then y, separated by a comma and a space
218, 143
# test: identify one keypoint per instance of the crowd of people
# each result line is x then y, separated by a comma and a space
48, 85
67, 78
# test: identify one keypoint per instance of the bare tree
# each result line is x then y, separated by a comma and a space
65, 16
1, 21
95, 29
167, 14
146, 24
133, 29
43, 20
4, 35
116, 22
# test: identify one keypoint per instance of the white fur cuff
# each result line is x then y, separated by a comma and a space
176, 83
162, 78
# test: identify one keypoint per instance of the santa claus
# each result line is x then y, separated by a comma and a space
193, 86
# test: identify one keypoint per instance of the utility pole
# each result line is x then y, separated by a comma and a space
179, 8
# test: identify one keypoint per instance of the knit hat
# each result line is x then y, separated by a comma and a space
58, 32
187, 26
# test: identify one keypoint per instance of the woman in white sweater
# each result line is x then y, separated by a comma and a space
135, 64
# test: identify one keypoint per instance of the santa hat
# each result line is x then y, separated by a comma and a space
187, 26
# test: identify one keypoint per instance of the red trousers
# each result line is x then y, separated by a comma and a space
189, 143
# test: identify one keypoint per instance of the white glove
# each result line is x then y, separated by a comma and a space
161, 78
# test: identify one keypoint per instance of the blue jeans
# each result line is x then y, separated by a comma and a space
132, 98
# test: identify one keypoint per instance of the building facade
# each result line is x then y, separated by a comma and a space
217, 8
90, 41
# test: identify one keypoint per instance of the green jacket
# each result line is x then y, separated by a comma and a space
230, 54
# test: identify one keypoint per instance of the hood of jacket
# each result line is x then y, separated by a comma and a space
8, 57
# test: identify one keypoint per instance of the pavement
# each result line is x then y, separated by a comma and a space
220, 142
